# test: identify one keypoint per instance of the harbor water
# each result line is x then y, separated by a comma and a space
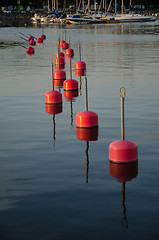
52, 186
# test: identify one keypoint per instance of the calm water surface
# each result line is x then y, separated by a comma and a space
47, 188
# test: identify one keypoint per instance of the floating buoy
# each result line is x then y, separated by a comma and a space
39, 40
53, 97
43, 36
61, 43
59, 78
65, 45
61, 55
123, 172
69, 51
70, 95
123, 151
86, 119
70, 84
59, 62
87, 134
53, 109
80, 65
32, 43
30, 50
30, 38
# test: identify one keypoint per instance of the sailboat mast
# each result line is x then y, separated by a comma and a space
122, 5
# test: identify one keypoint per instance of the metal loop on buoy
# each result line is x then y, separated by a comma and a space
122, 92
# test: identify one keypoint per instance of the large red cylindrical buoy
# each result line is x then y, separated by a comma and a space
87, 134
80, 72
80, 65
53, 97
65, 45
70, 95
86, 119
69, 52
53, 109
123, 151
59, 75
43, 36
39, 40
61, 55
123, 172
30, 50
32, 43
61, 42
30, 38
70, 85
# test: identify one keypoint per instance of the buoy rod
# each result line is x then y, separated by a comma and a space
124, 219
22, 46
122, 98
52, 76
65, 35
70, 66
87, 160
24, 39
86, 95
69, 39
59, 53
23, 34
79, 51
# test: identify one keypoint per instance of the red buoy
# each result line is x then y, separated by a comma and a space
123, 172
65, 45
61, 55
86, 119
53, 97
30, 50
123, 151
43, 36
39, 40
87, 134
69, 51
60, 60
32, 43
30, 38
59, 75
61, 42
80, 65
80, 72
70, 85
53, 109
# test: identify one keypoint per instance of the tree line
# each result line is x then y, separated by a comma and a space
38, 4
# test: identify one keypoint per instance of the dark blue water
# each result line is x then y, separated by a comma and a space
50, 186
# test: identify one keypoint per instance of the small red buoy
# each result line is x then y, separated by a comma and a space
30, 50
53, 109
123, 151
123, 172
43, 36
87, 134
60, 60
30, 38
80, 65
59, 75
80, 72
32, 43
69, 51
61, 55
70, 85
39, 40
86, 119
65, 45
61, 42
53, 97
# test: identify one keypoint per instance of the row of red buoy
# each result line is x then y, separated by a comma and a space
121, 151
30, 50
